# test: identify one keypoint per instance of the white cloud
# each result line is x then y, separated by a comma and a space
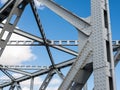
55, 82
25, 88
38, 4
37, 82
53, 85
17, 54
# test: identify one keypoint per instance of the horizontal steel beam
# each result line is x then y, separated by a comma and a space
35, 43
30, 36
24, 67
40, 40
18, 71
38, 73
23, 43
41, 72
53, 43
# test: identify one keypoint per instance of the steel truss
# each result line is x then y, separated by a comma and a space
94, 31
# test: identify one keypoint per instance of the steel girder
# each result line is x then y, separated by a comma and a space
8, 29
96, 33
40, 40
59, 66
100, 38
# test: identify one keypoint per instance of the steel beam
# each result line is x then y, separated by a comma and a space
47, 80
35, 43
83, 75
99, 45
77, 68
32, 84
76, 21
19, 71
34, 9
18, 86
103, 63
81, 80
12, 86
41, 72
38, 39
60, 74
117, 57
32, 37
5, 10
10, 24
8, 74
85, 87
15, 84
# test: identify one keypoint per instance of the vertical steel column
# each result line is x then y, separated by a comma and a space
103, 66
32, 83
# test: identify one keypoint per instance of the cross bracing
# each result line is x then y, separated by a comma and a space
93, 32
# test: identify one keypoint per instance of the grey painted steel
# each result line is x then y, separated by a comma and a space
18, 86
15, 84
12, 86
18, 71
32, 84
41, 41
34, 9
112, 64
10, 25
35, 43
101, 38
85, 87
82, 76
8, 74
54, 43
116, 45
5, 10
41, 72
24, 67
38, 39
22, 43
76, 67
96, 64
98, 60
81, 80
68, 16
47, 80
117, 57
60, 74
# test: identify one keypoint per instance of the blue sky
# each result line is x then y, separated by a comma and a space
58, 29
